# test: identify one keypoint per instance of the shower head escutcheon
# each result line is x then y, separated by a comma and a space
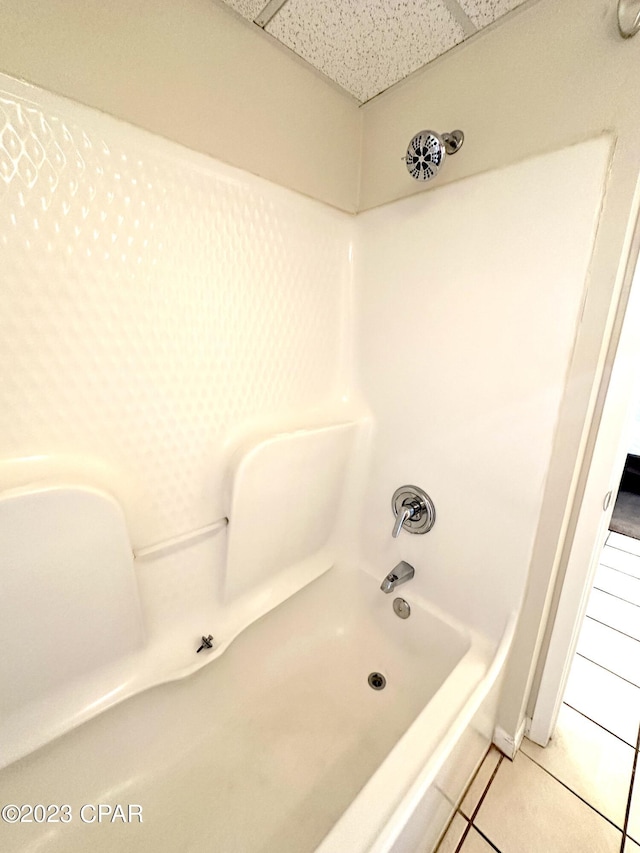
427, 150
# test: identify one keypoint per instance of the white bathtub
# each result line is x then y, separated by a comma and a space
280, 744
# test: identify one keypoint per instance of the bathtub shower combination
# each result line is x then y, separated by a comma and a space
226, 412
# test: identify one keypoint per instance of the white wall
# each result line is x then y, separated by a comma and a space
197, 73
634, 439
468, 300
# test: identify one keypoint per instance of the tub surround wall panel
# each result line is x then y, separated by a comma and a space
156, 305
478, 315
193, 72
158, 308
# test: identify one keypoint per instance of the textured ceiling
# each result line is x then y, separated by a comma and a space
368, 45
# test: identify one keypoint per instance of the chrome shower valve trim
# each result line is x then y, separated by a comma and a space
414, 510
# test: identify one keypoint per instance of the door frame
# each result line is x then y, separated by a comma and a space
596, 506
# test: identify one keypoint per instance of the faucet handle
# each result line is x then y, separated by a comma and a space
404, 514
414, 510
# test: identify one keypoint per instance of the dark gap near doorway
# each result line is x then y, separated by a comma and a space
626, 512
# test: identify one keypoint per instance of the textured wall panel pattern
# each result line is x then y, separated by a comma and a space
154, 302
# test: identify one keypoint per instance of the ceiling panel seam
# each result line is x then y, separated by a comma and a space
272, 8
461, 17
367, 46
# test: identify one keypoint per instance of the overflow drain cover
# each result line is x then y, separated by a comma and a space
377, 681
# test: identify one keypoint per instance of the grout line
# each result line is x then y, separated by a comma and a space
606, 668
624, 550
624, 633
488, 840
571, 791
477, 808
463, 837
628, 809
484, 793
470, 783
596, 723
602, 565
464, 834
466, 791
619, 597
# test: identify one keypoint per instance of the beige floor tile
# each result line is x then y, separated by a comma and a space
622, 560
630, 846
593, 763
480, 782
634, 815
614, 612
527, 811
604, 698
475, 843
618, 583
610, 648
453, 835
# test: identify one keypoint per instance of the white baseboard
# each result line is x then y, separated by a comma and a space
506, 743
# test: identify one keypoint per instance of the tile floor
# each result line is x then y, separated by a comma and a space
577, 795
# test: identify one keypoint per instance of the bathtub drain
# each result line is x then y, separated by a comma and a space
377, 681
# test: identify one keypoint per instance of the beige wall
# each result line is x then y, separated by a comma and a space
553, 74
194, 72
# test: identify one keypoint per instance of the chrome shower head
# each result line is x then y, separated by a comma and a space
427, 150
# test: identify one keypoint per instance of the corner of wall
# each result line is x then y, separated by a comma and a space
198, 74
524, 102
